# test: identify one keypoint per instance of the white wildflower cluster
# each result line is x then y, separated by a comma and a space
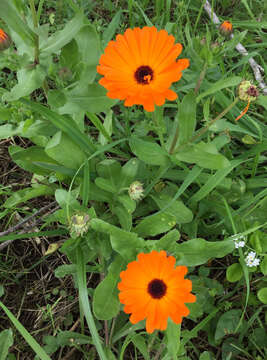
251, 259
238, 240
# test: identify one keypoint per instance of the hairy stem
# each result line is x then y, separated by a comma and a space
35, 24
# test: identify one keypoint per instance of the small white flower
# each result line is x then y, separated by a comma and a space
256, 262
251, 259
239, 244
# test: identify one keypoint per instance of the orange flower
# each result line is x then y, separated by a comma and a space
140, 66
5, 40
226, 28
154, 289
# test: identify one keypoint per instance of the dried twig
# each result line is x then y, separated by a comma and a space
257, 69
28, 219
30, 226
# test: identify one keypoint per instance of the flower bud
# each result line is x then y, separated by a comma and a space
247, 91
5, 40
226, 28
79, 225
136, 190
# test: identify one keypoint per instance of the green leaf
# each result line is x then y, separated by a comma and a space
89, 49
56, 41
125, 218
27, 158
199, 251
106, 303
27, 336
103, 133
203, 155
187, 118
28, 81
173, 333
262, 295
112, 27
175, 208
263, 265
69, 55
11, 16
127, 244
9, 130
234, 272
155, 224
6, 340
91, 98
166, 242
106, 185
205, 356
150, 153
110, 169
65, 151
227, 323
66, 124
129, 172
21, 196
214, 180
221, 84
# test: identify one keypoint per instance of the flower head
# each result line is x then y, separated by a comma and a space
5, 40
79, 225
251, 259
140, 66
226, 28
239, 244
136, 190
154, 289
247, 91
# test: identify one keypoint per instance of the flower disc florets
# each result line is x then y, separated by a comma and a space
136, 191
79, 225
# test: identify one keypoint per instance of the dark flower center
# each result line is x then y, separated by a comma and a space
143, 75
253, 91
157, 288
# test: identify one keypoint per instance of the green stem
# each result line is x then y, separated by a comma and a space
174, 140
206, 128
201, 77
83, 295
157, 119
201, 131
35, 24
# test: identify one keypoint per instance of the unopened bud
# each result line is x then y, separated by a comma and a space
79, 225
136, 190
247, 91
5, 40
226, 28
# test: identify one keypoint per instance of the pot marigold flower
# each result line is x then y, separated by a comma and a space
140, 66
5, 40
226, 28
153, 288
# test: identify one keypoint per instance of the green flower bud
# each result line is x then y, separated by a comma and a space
136, 190
79, 225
